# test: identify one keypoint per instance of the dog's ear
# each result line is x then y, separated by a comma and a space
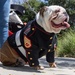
42, 10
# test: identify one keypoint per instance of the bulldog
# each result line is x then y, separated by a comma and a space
36, 39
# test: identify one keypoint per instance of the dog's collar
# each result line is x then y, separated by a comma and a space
40, 28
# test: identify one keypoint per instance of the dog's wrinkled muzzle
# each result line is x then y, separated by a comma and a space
60, 21
64, 24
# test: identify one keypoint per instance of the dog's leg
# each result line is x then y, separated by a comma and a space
6, 55
50, 59
20, 62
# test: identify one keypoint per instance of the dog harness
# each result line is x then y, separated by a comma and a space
32, 42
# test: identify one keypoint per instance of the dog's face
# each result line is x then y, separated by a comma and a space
53, 18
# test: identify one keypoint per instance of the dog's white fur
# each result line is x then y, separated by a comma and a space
57, 15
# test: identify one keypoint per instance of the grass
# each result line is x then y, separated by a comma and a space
66, 44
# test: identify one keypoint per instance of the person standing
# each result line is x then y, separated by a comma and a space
4, 19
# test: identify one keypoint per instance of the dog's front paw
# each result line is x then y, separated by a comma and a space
52, 65
39, 67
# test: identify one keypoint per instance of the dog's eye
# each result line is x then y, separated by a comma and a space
56, 11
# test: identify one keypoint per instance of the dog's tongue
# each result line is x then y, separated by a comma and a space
67, 24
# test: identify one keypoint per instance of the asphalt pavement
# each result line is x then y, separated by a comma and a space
65, 66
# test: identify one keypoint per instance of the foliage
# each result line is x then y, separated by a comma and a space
31, 7
66, 44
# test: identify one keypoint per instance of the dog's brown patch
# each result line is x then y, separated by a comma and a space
42, 10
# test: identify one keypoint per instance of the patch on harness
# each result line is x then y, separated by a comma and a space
27, 42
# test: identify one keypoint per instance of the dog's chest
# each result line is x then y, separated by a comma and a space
39, 37
43, 40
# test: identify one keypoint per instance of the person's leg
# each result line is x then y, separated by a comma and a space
4, 18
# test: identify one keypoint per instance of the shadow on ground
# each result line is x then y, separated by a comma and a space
61, 63
23, 68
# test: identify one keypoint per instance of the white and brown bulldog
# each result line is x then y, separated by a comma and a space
36, 39
53, 18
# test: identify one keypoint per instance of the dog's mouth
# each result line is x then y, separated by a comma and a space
63, 24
